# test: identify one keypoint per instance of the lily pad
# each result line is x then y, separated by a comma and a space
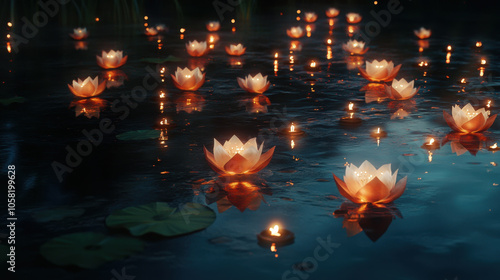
169, 58
57, 214
139, 135
4, 250
162, 219
89, 249
10, 100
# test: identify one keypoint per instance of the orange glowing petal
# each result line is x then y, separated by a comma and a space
373, 191
450, 121
489, 122
263, 161
344, 191
238, 164
397, 191
211, 161
474, 125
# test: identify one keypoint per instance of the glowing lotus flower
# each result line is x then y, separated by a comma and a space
189, 80
88, 87
79, 33
257, 84
355, 47
295, 32
112, 59
468, 120
353, 17
332, 12
422, 33
382, 71
196, 48
236, 50
234, 157
151, 31
366, 184
213, 26
401, 90
310, 17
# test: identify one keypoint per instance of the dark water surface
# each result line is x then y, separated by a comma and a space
450, 221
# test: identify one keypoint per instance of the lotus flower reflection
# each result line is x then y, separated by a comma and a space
401, 90
189, 80
234, 157
295, 32
366, 184
213, 26
355, 47
257, 84
79, 33
422, 33
195, 48
379, 71
112, 59
468, 120
235, 50
88, 87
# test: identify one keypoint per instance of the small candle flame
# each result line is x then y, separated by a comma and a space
96, 19
479, 44
351, 106
182, 30
494, 146
276, 55
313, 64
448, 48
488, 104
423, 63
431, 141
483, 61
463, 81
292, 128
329, 41
273, 247
292, 144
164, 122
378, 130
9, 24
275, 230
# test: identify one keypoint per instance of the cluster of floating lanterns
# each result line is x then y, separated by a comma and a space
361, 185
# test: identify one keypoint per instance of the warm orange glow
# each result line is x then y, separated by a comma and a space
351, 106
164, 122
448, 56
299, 11
378, 130
431, 141
494, 146
292, 128
375, 2
463, 81
350, 29
9, 24
430, 156
146, 18
233, 20
313, 64
182, 30
423, 63
162, 94
292, 144
483, 61
273, 247
233, 29
479, 44
291, 59
448, 48
329, 41
488, 104
9, 48
276, 55
330, 22
329, 53
275, 230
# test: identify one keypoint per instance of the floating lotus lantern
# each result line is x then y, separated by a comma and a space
468, 120
112, 59
310, 17
189, 80
380, 71
494, 148
366, 184
422, 33
196, 49
275, 236
353, 18
235, 50
79, 33
378, 133
355, 47
256, 84
213, 26
151, 31
295, 32
332, 12
401, 90
88, 87
293, 131
234, 157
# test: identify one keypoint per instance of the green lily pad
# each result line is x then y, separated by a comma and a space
139, 135
4, 250
10, 100
161, 219
57, 214
169, 58
89, 249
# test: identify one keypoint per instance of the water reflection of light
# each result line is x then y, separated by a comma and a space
448, 57
329, 54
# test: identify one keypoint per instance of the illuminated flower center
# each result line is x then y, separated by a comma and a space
363, 177
235, 150
470, 114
